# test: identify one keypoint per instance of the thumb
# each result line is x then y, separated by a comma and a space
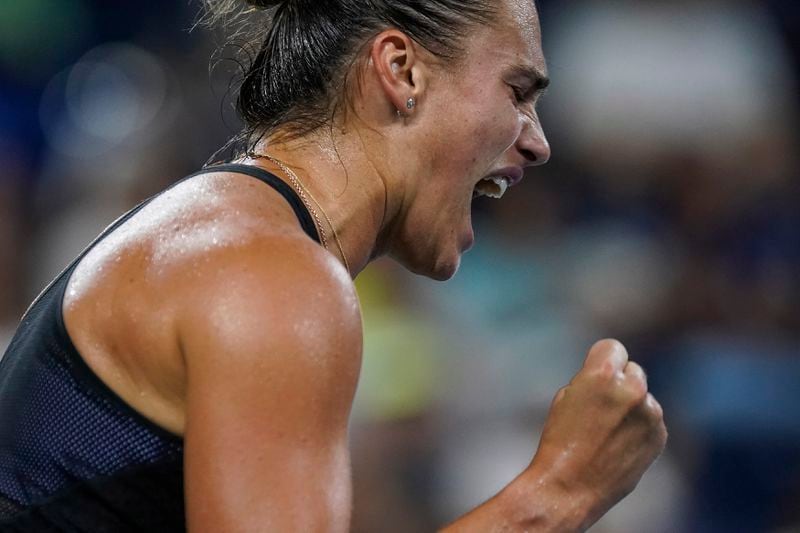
607, 352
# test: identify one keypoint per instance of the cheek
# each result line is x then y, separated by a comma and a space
505, 125
472, 136
492, 129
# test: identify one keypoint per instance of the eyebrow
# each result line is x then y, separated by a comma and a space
539, 80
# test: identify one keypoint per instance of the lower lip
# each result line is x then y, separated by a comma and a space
513, 175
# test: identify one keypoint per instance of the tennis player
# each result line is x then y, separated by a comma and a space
195, 366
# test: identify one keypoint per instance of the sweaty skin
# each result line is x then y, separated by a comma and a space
215, 316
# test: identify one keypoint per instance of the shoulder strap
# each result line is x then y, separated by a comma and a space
300, 209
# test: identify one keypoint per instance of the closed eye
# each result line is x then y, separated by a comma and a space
524, 95
527, 82
520, 94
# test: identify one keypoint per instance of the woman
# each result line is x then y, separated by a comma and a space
209, 342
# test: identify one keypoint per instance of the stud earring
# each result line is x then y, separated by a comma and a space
410, 104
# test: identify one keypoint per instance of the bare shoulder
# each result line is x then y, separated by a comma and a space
269, 328
242, 268
207, 270
285, 285
277, 323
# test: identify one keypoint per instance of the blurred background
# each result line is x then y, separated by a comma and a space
669, 217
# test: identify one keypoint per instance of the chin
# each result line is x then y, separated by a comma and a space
439, 268
432, 257
444, 270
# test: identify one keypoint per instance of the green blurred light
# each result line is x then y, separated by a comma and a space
35, 33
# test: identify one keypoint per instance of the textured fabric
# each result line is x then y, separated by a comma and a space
74, 457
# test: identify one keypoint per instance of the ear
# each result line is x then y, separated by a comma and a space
399, 68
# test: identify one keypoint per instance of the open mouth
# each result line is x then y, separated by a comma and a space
493, 187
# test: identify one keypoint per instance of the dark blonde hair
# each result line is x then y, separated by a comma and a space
303, 51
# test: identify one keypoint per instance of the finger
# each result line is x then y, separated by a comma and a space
634, 371
636, 378
559, 396
655, 411
652, 406
607, 352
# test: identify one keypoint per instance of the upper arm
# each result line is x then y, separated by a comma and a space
272, 348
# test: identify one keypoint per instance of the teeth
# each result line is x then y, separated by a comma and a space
502, 184
493, 187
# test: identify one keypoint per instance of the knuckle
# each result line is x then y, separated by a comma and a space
639, 392
608, 346
609, 353
662, 437
604, 373
636, 392
655, 414
635, 370
560, 395
636, 398
591, 378
654, 407
611, 350
636, 380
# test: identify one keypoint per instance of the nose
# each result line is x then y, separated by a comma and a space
532, 143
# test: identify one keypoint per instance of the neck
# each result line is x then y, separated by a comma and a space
348, 187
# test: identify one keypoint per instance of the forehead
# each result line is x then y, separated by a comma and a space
514, 40
522, 16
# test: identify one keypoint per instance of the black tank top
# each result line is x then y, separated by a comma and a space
74, 457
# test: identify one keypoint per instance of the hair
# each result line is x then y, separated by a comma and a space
301, 52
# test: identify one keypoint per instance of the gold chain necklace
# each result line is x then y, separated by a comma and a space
302, 191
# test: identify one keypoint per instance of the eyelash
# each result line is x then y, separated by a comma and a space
520, 95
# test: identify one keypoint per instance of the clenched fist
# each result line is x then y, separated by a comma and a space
603, 431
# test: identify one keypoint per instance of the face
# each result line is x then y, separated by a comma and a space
476, 119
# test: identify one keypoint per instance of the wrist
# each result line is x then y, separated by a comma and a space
538, 501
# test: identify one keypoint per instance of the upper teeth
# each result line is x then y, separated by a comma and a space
483, 187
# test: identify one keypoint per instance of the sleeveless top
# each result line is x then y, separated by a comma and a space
74, 457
